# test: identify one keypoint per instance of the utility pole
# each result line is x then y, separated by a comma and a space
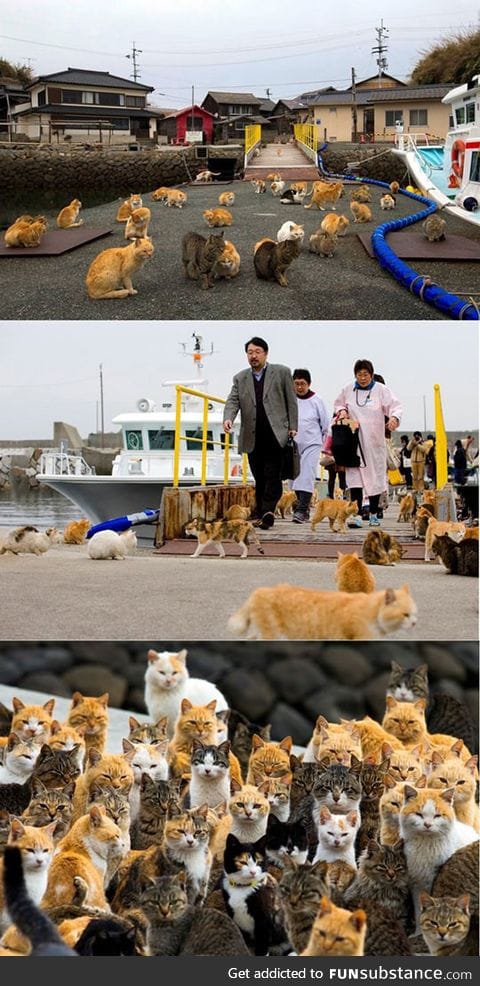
136, 71
354, 108
193, 115
424, 412
102, 419
379, 50
268, 93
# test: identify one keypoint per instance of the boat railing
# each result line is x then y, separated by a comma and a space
205, 441
410, 142
56, 462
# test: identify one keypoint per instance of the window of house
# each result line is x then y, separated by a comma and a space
108, 98
332, 109
42, 98
418, 118
71, 96
138, 101
392, 116
88, 97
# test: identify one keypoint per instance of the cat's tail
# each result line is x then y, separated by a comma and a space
239, 622
29, 919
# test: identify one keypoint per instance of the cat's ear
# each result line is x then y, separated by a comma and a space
185, 706
257, 742
103, 699
212, 705
319, 868
321, 723
352, 818
38, 788
356, 764
55, 727
372, 847
69, 790
389, 781
181, 655
133, 723
325, 906
422, 669
358, 920
97, 814
49, 706
390, 702
457, 747
50, 829
386, 750
286, 743
18, 705
409, 793
425, 900
94, 757
324, 815
295, 762
225, 747
437, 758
77, 698
202, 810
389, 596
448, 795
234, 786
398, 846
12, 741
223, 715
128, 747
152, 656
17, 829
463, 903
422, 781
471, 765
396, 667
420, 704
161, 724
221, 809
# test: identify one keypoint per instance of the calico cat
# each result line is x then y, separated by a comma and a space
216, 531
299, 892
200, 255
89, 716
217, 217
324, 244
36, 848
26, 231
259, 185
445, 925
133, 202
167, 682
286, 503
19, 758
436, 528
29, 919
175, 927
337, 511
293, 196
336, 836
68, 216
110, 273
336, 931
137, 224
434, 228
380, 548
387, 202
50, 806
226, 198
54, 768
277, 187
325, 194
210, 777
353, 575
335, 225
272, 260
86, 851
286, 612
249, 894
143, 759
459, 559
29, 540
228, 263
268, 759
285, 839
148, 732
158, 800
361, 213
74, 532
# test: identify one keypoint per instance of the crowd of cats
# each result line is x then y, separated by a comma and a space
207, 259
205, 837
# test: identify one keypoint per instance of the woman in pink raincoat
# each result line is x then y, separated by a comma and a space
370, 403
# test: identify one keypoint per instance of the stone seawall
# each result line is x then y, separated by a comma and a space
285, 684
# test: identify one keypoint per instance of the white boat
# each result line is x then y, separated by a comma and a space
145, 465
449, 173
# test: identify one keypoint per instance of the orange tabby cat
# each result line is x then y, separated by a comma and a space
32, 721
226, 198
109, 274
406, 721
337, 512
436, 528
325, 193
195, 722
124, 211
361, 213
175, 197
335, 225
84, 852
217, 217
136, 226
463, 778
268, 759
353, 575
246, 819
26, 231
68, 217
286, 612
228, 263
75, 531
64, 737
286, 503
336, 931
110, 769
335, 742
89, 716
405, 765
160, 194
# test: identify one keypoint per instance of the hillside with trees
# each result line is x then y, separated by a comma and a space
452, 61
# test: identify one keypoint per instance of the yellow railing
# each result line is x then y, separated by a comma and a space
440, 439
204, 441
307, 134
253, 135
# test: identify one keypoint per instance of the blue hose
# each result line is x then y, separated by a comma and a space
418, 284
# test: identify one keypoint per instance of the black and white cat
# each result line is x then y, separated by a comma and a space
210, 780
249, 894
286, 839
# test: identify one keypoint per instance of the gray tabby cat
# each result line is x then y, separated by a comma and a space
459, 875
372, 779
445, 925
176, 927
158, 800
381, 890
299, 893
50, 806
54, 768
199, 256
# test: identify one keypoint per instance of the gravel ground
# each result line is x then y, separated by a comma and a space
348, 286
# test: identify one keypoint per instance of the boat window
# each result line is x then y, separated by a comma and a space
233, 440
197, 446
161, 440
470, 113
460, 115
475, 166
133, 440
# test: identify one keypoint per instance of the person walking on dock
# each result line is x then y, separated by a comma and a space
313, 424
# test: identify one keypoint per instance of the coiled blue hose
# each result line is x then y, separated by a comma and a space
419, 284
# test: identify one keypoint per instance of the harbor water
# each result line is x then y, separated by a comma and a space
41, 507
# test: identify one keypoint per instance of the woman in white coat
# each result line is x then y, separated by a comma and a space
370, 403
313, 423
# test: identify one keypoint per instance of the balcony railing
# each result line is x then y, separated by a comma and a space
205, 440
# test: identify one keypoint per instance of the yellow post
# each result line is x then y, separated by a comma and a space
440, 439
176, 447
226, 459
203, 471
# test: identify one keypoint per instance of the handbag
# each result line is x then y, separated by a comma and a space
395, 477
290, 467
346, 446
326, 459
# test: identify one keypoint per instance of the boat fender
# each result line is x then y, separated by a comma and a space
120, 524
470, 203
458, 157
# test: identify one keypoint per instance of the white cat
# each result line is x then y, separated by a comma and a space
167, 682
336, 836
108, 544
144, 758
290, 231
29, 540
19, 759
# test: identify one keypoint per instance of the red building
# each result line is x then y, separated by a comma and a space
192, 120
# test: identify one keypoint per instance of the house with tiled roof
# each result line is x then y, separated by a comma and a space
82, 104
233, 111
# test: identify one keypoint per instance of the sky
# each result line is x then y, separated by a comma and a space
50, 370
241, 45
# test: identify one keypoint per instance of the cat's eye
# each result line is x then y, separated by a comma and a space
256, 806
419, 814
30, 850
460, 782
438, 815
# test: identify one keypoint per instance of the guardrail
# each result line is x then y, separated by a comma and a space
306, 134
204, 441
253, 136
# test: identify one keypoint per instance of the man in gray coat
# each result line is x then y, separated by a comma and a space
265, 397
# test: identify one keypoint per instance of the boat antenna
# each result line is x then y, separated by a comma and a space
197, 350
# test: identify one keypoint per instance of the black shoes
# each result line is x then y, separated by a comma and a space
267, 521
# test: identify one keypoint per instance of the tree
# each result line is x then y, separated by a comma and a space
452, 61
15, 73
